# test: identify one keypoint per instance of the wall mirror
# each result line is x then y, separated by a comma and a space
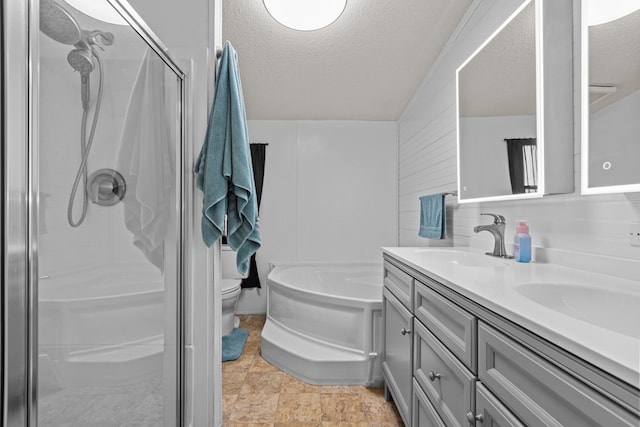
503, 142
610, 96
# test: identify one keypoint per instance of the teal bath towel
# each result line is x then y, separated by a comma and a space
433, 219
223, 170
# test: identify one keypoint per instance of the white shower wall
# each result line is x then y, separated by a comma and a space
68, 248
330, 192
427, 164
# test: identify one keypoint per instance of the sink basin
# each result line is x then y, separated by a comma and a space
464, 258
614, 310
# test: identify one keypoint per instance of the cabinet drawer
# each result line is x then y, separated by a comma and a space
396, 364
424, 414
454, 326
493, 413
445, 380
399, 283
538, 392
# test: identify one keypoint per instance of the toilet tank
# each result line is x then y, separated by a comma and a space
228, 264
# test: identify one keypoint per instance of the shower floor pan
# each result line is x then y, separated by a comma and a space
113, 365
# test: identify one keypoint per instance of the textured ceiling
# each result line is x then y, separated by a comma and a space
500, 80
365, 66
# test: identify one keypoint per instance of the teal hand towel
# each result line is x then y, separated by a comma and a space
223, 170
433, 219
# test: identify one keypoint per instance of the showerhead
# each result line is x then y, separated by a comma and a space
57, 23
81, 60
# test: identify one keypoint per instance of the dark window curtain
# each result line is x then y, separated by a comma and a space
258, 152
523, 166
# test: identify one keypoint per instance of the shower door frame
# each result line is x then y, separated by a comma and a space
19, 100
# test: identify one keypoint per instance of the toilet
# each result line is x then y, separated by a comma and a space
231, 280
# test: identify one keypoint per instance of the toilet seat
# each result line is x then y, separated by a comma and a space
230, 286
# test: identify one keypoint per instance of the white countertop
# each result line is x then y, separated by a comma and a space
495, 285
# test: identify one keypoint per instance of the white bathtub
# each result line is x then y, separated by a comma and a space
101, 326
323, 322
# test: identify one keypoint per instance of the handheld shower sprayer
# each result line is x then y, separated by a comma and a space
60, 25
82, 57
81, 60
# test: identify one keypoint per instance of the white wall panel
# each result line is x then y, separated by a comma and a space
330, 194
278, 208
346, 190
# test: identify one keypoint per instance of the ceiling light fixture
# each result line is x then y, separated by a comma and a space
305, 15
98, 9
603, 11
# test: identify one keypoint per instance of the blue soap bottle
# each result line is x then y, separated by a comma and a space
522, 243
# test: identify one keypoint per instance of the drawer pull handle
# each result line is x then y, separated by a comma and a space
404, 331
433, 376
473, 418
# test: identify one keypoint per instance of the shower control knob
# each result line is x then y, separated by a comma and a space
106, 187
404, 331
432, 375
473, 418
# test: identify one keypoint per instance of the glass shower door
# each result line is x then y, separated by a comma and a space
108, 178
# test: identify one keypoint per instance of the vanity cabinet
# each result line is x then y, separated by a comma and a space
468, 366
490, 412
454, 326
539, 392
397, 340
446, 382
424, 414
399, 283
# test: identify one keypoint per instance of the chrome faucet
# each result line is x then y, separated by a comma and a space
497, 230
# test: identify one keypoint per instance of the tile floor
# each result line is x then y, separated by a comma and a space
135, 405
257, 394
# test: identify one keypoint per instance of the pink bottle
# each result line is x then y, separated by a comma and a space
522, 243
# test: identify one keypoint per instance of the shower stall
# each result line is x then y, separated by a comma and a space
93, 128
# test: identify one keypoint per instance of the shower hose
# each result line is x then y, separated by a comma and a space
85, 149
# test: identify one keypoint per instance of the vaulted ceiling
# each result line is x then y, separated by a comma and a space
365, 66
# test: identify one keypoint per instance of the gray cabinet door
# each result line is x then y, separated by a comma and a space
490, 412
448, 384
540, 393
396, 365
424, 414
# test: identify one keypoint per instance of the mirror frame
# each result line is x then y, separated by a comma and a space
584, 116
540, 137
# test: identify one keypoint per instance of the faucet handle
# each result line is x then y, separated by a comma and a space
497, 219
